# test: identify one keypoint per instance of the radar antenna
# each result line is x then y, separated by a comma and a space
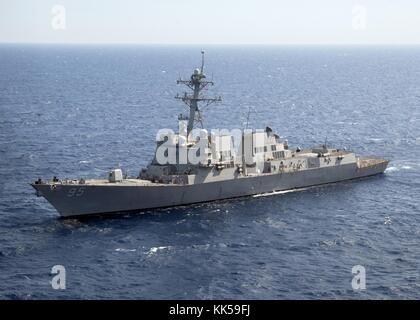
197, 84
202, 61
247, 117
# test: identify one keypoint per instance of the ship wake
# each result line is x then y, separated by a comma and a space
267, 194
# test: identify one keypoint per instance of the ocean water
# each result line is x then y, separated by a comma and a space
78, 111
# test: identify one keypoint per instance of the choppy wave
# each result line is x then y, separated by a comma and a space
154, 250
85, 161
125, 250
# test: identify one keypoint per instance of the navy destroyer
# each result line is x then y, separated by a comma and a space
195, 166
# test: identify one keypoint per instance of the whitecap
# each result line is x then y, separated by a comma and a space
276, 224
85, 161
125, 250
329, 243
201, 246
153, 250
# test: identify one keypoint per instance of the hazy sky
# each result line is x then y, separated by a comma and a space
211, 21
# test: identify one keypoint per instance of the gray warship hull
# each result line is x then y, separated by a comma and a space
100, 197
195, 166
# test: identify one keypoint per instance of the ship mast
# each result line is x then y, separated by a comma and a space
197, 84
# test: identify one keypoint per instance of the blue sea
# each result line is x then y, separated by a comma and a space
77, 111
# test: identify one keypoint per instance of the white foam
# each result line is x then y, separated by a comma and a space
278, 192
85, 161
398, 168
125, 250
156, 249
276, 224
